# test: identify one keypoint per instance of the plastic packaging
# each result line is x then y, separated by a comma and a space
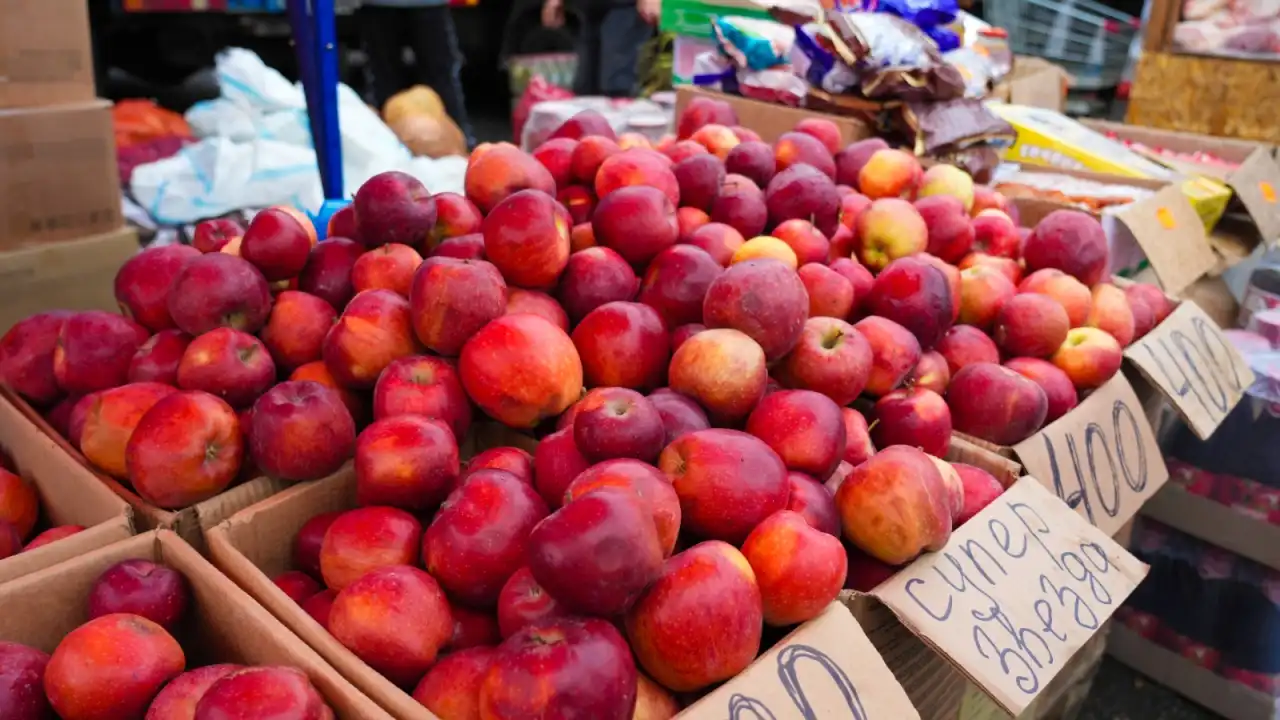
778, 86
751, 43
893, 58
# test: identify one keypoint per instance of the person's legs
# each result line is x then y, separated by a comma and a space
382, 35
439, 60
586, 79
626, 32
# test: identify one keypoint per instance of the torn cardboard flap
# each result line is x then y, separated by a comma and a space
1172, 237
826, 668
1256, 183
1191, 363
1015, 593
1101, 458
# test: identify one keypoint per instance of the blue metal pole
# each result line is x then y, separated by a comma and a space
316, 45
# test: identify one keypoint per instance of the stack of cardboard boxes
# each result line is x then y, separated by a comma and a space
62, 235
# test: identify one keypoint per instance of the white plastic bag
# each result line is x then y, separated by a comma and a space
256, 150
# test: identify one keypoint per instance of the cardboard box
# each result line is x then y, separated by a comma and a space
770, 120
69, 495
1034, 82
225, 624
46, 57
1254, 183
1016, 593
58, 175
72, 275
255, 545
189, 523
1231, 700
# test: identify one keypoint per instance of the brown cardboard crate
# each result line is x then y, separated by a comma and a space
69, 495
45, 53
58, 175
189, 523
70, 275
256, 544
770, 120
226, 625
1035, 82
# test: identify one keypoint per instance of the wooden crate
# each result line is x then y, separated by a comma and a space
1207, 95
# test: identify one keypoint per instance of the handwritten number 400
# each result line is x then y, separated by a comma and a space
1196, 363
743, 707
1129, 460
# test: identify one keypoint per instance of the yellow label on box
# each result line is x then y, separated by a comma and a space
1268, 192
1050, 139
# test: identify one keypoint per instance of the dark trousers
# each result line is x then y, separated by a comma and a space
609, 43
429, 32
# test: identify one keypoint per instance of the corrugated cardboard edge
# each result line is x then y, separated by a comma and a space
241, 626
85, 541
261, 523
770, 120
69, 495
972, 451
189, 523
1228, 699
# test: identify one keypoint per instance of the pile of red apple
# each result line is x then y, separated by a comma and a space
19, 515
124, 662
702, 487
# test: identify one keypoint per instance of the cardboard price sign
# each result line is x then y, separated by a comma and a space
1191, 363
1255, 182
827, 668
1172, 237
1015, 593
1101, 458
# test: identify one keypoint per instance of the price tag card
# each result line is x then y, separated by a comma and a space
1172, 237
1192, 363
827, 668
1255, 182
1101, 458
1015, 593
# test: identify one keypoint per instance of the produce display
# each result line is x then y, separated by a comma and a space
124, 661
20, 515
722, 301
